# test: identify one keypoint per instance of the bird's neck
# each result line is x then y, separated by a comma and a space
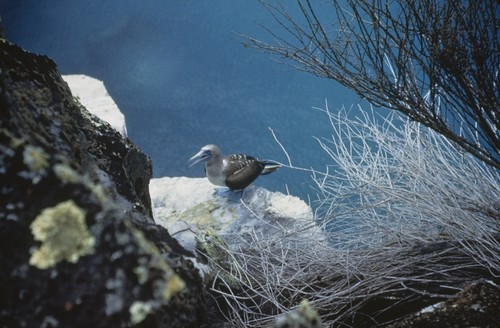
215, 160
214, 169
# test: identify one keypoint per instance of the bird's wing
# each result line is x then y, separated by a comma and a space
237, 162
241, 170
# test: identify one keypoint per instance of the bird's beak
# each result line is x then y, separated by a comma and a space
200, 156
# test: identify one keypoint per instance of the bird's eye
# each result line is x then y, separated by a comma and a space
207, 153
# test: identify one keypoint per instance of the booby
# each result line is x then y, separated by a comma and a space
235, 171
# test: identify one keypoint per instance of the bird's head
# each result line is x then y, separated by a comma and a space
205, 153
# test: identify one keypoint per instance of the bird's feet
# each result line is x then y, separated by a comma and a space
231, 195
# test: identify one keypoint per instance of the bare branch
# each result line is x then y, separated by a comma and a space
404, 215
436, 62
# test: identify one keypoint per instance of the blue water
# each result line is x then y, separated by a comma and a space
179, 73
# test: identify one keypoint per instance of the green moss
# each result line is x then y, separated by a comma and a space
63, 233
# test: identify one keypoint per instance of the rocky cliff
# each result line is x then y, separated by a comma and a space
78, 244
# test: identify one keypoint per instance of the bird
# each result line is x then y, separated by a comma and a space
236, 171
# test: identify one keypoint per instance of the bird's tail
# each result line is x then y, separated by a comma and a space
270, 167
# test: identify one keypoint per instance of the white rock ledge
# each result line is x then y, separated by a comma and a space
93, 95
189, 206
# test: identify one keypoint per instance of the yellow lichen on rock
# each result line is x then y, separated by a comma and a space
164, 287
63, 233
35, 158
67, 175
37, 162
172, 283
139, 310
202, 215
217, 251
304, 316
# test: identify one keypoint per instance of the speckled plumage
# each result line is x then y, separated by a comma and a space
236, 171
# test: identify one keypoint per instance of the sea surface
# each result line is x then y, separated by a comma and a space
179, 72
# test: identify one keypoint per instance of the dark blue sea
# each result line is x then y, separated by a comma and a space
179, 72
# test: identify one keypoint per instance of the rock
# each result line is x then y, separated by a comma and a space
304, 316
93, 95
78, 244
477, 305
188, 207
51, 119
210, 222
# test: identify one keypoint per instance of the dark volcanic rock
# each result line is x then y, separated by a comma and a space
78, 245
37, 107
477, 305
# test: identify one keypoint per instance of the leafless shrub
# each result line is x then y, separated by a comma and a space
409, 210
404, 215
394, 170
437, 62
